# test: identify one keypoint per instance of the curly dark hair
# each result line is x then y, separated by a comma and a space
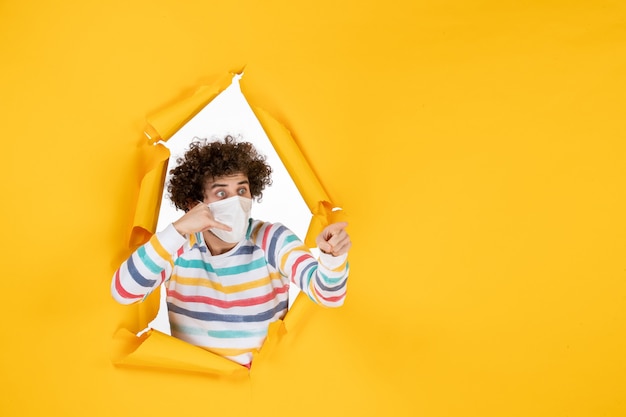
205, 160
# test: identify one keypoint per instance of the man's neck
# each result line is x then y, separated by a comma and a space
216, 245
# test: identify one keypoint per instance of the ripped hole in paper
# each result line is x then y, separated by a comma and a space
230, 114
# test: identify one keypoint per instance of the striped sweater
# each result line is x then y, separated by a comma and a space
225, 303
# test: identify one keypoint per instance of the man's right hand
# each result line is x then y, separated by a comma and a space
198, 219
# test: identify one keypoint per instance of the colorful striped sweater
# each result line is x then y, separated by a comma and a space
225, 303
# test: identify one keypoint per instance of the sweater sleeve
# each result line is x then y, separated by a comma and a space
324, 281
148, 267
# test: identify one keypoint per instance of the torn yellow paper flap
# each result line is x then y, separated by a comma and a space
149, 200
154, 349
275, 333
163, 124
302, 174
290, 154
278, 330
297, 312
323, 215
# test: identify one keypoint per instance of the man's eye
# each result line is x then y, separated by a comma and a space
221, 194
242, 191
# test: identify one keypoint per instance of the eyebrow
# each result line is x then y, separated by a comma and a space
216, 185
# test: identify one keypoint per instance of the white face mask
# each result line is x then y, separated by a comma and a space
233, 212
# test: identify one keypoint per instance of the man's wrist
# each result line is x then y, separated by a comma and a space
330, 261
177, 228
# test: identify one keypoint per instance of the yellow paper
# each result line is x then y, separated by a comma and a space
148, 203
158, 350
478, 148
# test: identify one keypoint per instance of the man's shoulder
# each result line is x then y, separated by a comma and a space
256, 223
260, 230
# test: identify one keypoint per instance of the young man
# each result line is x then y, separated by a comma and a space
227, 276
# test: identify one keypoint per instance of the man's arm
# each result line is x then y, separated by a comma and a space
152, 263
148, 267
323, 281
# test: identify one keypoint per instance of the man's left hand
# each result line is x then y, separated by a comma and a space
334, 239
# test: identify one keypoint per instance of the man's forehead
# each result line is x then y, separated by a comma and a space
238, 178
